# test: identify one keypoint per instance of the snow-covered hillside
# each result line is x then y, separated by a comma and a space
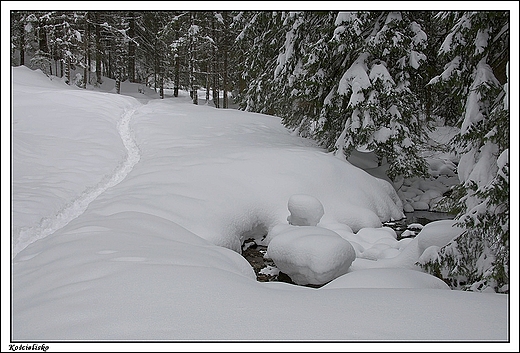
128, 218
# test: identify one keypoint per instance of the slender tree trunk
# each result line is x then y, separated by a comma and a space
64, 70
207, 85
118, 64
86, 70
176, 77
89, 54
67, 71
216, 98
131, 47
161, 88
108, 66
118, 85
118, 79
155, 69
192, 60
155, 64
98, 48
22, 42
225, 64
225, 83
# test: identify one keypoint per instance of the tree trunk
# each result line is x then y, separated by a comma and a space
155, 65
86, 70
225, 69
225, 83
193, 87
22, 43
216, 98
207, 85
131, 47
108, 66
98, 48
118, 79
118, 85
161, 88
195, 96
176, 77
67, 71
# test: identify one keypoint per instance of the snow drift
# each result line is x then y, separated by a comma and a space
154, 255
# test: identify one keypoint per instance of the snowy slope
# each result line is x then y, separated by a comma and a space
137, 213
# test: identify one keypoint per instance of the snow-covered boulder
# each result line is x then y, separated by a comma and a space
311, 255
305, 210
438, 233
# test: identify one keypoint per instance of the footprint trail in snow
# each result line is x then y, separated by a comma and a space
74, 209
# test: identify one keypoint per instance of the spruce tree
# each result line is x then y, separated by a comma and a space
477, 48
383, 114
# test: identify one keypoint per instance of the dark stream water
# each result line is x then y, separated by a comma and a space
416, 217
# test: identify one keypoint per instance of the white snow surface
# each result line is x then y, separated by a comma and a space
138, 208
387, 278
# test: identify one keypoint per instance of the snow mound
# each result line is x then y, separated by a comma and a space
438, 233
305, 210
387, 278
311, 255
374, 243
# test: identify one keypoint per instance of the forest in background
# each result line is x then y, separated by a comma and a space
365, 80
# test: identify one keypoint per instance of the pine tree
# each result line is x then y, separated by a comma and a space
342, 53
478, 50
289, 72
382, 111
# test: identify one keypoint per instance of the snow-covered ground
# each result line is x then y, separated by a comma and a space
129, 214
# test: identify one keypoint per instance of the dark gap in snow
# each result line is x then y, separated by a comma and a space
414, 221
258, 231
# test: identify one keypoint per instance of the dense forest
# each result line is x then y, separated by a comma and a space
367, 80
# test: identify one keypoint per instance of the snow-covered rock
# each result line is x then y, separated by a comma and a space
438, 233
305, 210
311, 255
408, 208
377, 235
420, 206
